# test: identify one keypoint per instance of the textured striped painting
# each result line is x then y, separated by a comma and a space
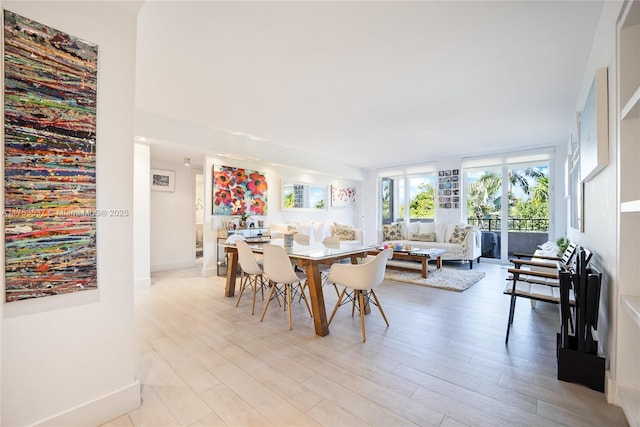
50, 160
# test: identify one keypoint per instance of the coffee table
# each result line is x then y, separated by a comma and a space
418, 255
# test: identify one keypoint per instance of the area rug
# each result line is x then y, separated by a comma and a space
445, 278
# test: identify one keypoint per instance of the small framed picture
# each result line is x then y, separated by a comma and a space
162, 180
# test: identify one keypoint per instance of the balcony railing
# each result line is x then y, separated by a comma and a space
513, 224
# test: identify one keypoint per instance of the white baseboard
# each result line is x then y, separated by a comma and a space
172, 266
610, 389
208, 272
99, 410
142, 283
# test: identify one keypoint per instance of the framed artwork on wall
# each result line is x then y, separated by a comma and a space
162, 180
342, 196
575, 185
594, 128
239, 192
50, 114
448, 189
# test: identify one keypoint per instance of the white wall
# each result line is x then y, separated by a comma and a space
172, 220
600, 195
141, 216
69, 359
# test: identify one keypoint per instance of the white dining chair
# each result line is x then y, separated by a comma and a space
252, 273
284, 280
302, 239
331, 242
361, 279
234, 238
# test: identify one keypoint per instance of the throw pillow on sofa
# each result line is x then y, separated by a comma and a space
411, 228
392, 232
423, 237
459, 234
427, 227
343, 231
440, 230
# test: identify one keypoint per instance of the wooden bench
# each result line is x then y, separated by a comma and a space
537, 280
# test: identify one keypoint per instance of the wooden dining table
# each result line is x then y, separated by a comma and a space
308, 257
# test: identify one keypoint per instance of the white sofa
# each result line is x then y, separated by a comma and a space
462, 242
318, 231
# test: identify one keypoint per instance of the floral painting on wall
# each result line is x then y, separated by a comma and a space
50, 87
342, 196
239, 192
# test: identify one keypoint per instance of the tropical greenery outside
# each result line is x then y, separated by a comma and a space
421, 203
528, 198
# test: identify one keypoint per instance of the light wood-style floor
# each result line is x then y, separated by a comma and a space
442, 362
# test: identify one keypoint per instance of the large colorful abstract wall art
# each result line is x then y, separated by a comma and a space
239, 192
50, 160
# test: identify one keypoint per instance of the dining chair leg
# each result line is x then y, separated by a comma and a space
255, 291
302, 287
304, 297
336, 288
243, 285
333, 313
266, 305
353, 302
375, 297
325, 281
277, 297
361, 304
288, 298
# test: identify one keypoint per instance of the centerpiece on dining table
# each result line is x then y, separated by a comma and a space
239, 210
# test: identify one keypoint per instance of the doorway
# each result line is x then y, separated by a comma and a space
199, 213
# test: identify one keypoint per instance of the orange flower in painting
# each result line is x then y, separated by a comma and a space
257, 206
239, 175
223, 198
222, 179
238, 192
257, 184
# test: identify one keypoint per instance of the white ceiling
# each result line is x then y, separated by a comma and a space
369, 83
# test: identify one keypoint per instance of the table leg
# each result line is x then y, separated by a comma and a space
232, 270
317, 298
425, 267
439, 262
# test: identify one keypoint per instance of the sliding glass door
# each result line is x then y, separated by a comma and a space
518, 192
484, 207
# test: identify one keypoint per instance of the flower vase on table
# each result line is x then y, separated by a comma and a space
238, 210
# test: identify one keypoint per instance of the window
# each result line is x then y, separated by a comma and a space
407, 195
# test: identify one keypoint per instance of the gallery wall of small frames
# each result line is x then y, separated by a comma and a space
449, 189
